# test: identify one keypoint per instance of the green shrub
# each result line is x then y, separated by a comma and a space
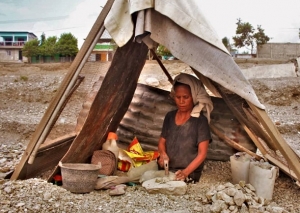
23, 78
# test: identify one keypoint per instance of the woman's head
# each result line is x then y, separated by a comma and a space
198, 97
183, 97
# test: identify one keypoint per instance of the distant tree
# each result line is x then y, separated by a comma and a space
30, 49
246, 35
226, 43
163, 51
48, 48
260, 36
43, 39
67, 45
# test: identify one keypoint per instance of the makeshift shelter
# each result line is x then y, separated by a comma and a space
137, 26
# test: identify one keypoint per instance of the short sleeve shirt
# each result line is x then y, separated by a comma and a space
182, 140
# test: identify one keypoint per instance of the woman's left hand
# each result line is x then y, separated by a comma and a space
181, 175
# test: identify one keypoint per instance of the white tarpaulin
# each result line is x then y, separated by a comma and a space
185, 14
180, 26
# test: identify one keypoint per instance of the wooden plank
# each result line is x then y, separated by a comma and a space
283, 167
51, 143
255, 140
20, 172
268, 156
233, 143
47, 158
110, 103
207, 82
250, 115
291, 157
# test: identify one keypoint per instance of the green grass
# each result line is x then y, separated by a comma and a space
23, 78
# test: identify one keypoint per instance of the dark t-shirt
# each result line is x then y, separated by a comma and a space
182, 140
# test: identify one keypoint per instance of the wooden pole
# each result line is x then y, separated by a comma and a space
233, 143
110, 104
162, 66
291, 157
49, 115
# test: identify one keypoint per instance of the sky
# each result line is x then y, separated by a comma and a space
279, 18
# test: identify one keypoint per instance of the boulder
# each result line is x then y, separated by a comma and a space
162, 185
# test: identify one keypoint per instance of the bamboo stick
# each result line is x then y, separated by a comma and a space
233, 143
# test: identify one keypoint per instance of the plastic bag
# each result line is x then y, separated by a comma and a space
137, 155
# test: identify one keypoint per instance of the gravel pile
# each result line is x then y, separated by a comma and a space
38, 195
10, 155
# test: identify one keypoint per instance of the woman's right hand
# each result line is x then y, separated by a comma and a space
162, 158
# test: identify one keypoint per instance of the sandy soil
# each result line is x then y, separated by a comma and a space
26, 91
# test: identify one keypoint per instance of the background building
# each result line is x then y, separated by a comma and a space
12, 43
104, 49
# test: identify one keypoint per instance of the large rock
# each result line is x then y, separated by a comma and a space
151, 174
160, 185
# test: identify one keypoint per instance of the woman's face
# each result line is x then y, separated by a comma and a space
183, 98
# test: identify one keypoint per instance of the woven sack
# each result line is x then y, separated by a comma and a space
107, 160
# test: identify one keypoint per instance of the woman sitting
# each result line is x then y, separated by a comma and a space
185, 133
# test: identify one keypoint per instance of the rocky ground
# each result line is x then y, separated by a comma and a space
26, 91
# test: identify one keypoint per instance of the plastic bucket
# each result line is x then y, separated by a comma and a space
79, 177
262, 176
240, 162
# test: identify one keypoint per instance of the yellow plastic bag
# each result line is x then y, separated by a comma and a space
138, 156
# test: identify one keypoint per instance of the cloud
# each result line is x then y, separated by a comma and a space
46, 16
83, 17
279, 19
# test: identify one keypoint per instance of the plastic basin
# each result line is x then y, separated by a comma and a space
79, 177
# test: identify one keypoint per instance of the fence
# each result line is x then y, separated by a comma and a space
51, 59
12, 43
279, 50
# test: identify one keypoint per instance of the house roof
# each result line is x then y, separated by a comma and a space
17, 32
105, 37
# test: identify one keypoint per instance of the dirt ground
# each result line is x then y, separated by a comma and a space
26, 91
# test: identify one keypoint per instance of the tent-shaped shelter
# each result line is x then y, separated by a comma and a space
137, 26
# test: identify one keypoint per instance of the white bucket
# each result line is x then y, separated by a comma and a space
262, 177
240, 162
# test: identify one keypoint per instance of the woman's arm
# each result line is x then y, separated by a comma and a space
202, 152
162, 151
